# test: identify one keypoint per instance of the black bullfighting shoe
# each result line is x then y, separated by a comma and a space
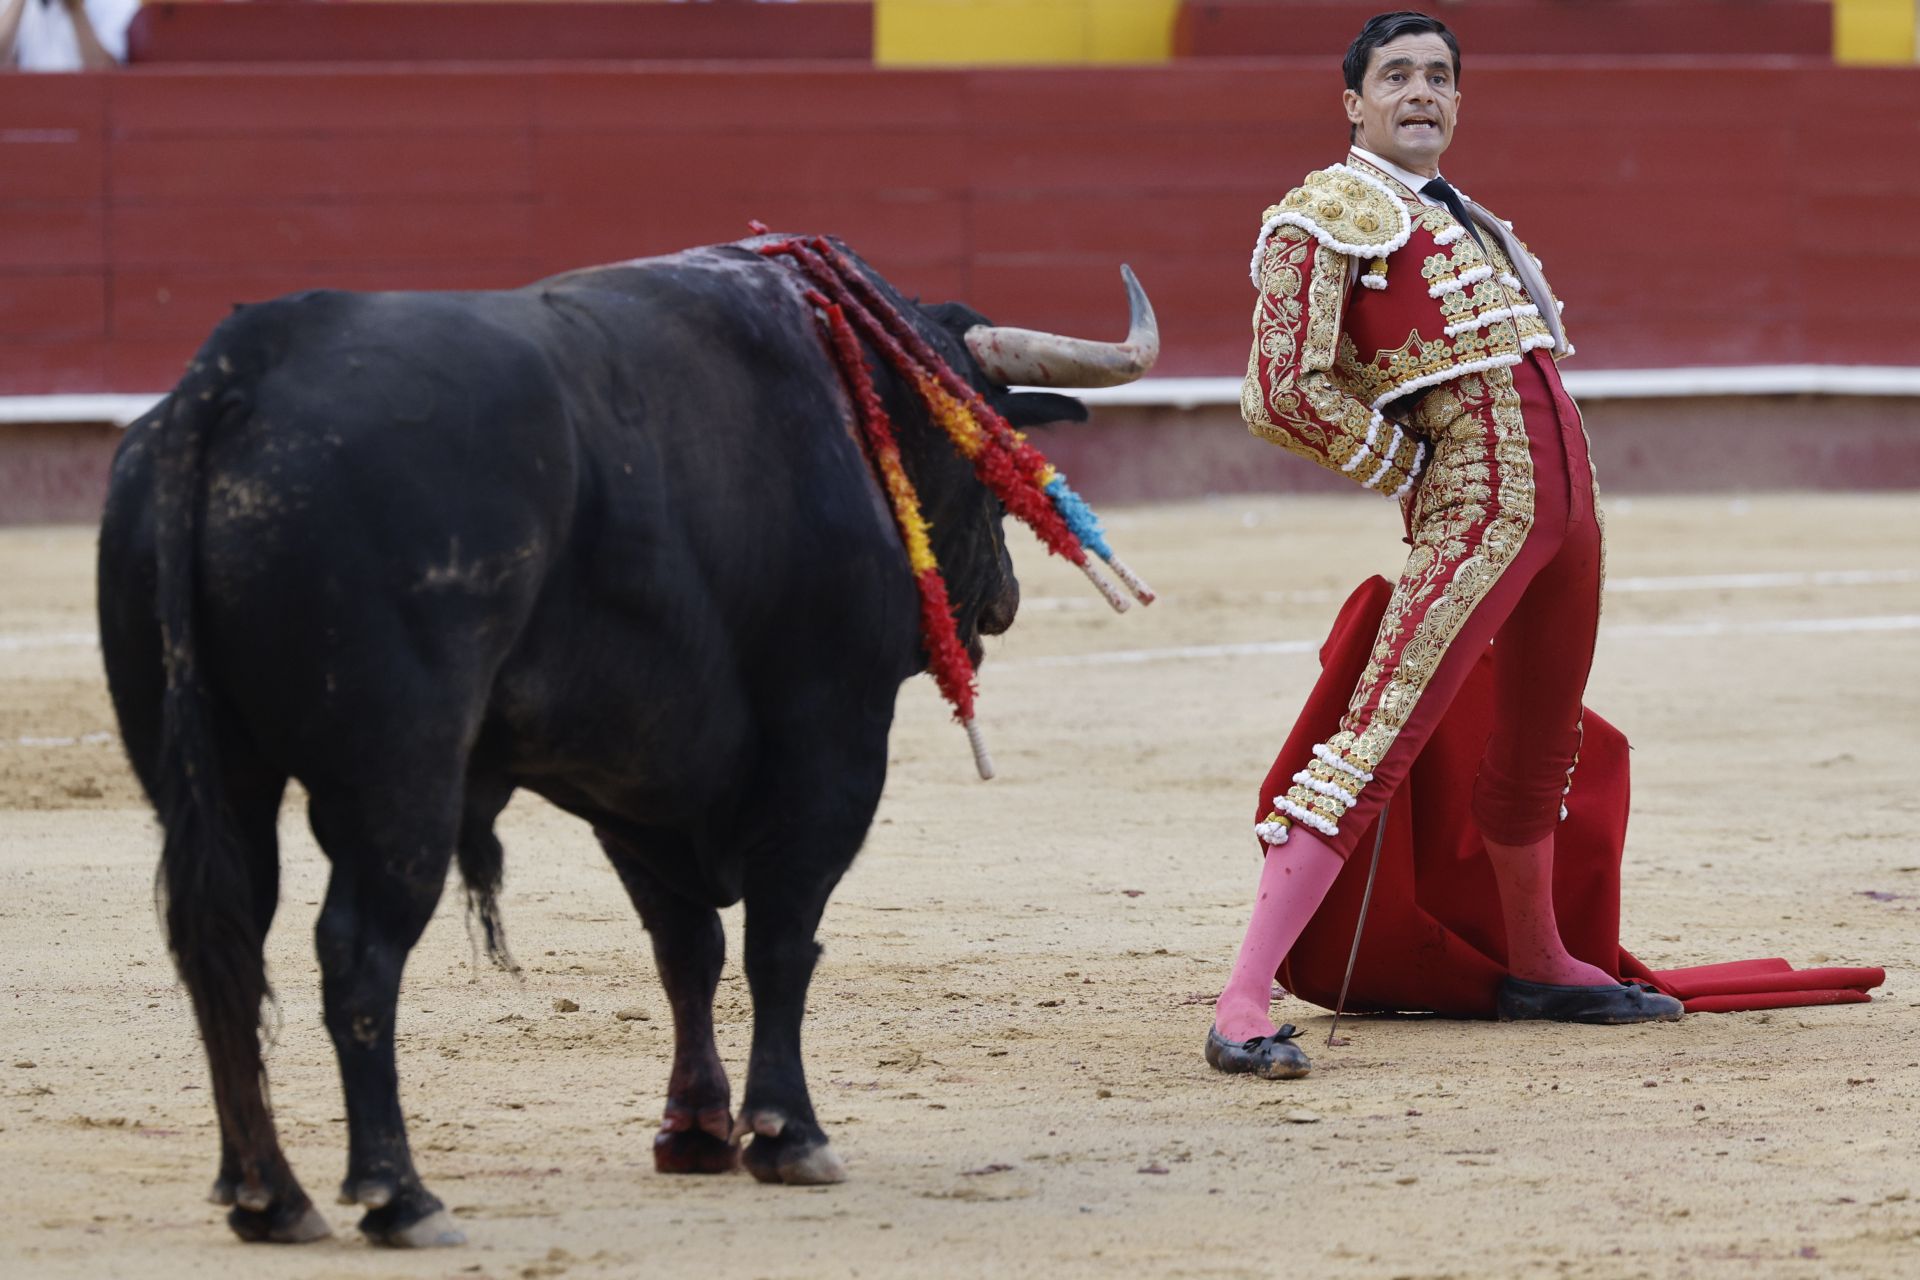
1609, 1004
1273, 1057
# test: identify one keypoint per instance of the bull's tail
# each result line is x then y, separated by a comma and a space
207, 878
483, 869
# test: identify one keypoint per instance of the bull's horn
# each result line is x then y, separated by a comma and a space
1028, 358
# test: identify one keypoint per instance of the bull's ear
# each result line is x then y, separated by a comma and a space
1037, 408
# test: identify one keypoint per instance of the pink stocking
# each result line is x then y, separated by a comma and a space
1293, 881
1535, 952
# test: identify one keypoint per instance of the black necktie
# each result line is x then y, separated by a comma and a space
1439, 189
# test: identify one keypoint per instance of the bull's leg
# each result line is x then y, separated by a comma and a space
225, 977
389, 866
784, 903
696, 1135
268, 1203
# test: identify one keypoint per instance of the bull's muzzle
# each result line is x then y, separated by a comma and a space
996, 618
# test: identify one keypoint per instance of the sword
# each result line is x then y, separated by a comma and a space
1366, 899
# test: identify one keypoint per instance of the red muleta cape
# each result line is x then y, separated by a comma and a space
1434, 940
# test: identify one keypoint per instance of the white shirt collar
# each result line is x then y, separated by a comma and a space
1406, 177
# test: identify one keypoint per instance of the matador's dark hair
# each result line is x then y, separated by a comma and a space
1380, 29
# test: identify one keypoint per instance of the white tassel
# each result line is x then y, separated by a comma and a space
1413, 473
1300, 813
1328, 756
1448, 375
1326, 789
1386, 464
1486, 318
1461, 281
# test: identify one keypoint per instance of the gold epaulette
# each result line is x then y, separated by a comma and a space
1346, 210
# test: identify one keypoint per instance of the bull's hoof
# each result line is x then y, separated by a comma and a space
297, 1222
263, 1214
405, 1216
815, 1166
435, 1231
784, 1152
818, 1165
681, 1146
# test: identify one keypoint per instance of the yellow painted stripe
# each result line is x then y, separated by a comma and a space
1868, 32
1007, 32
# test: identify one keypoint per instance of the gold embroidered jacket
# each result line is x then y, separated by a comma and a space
1368, 297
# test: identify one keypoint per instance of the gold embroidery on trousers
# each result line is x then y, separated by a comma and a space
1472, 514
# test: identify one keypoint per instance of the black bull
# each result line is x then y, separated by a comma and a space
609, 538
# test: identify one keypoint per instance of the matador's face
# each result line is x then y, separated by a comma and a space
1408, 102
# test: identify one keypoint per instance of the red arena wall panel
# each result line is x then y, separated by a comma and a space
497, 30
53, 245
1711, 212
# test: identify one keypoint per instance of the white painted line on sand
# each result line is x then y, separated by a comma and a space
12, 643
1624, 631
1620, 586
1768, 581
1770, 627
1126, 657
85, 739
20, 641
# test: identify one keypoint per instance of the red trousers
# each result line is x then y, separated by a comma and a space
1435, 936
1507, 550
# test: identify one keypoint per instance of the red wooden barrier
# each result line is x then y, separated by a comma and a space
497, 30
1690, 213
1324, 28
53, 249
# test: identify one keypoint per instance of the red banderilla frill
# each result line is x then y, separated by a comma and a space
1017, 473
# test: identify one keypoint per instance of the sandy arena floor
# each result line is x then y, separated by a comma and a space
1006, 1027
